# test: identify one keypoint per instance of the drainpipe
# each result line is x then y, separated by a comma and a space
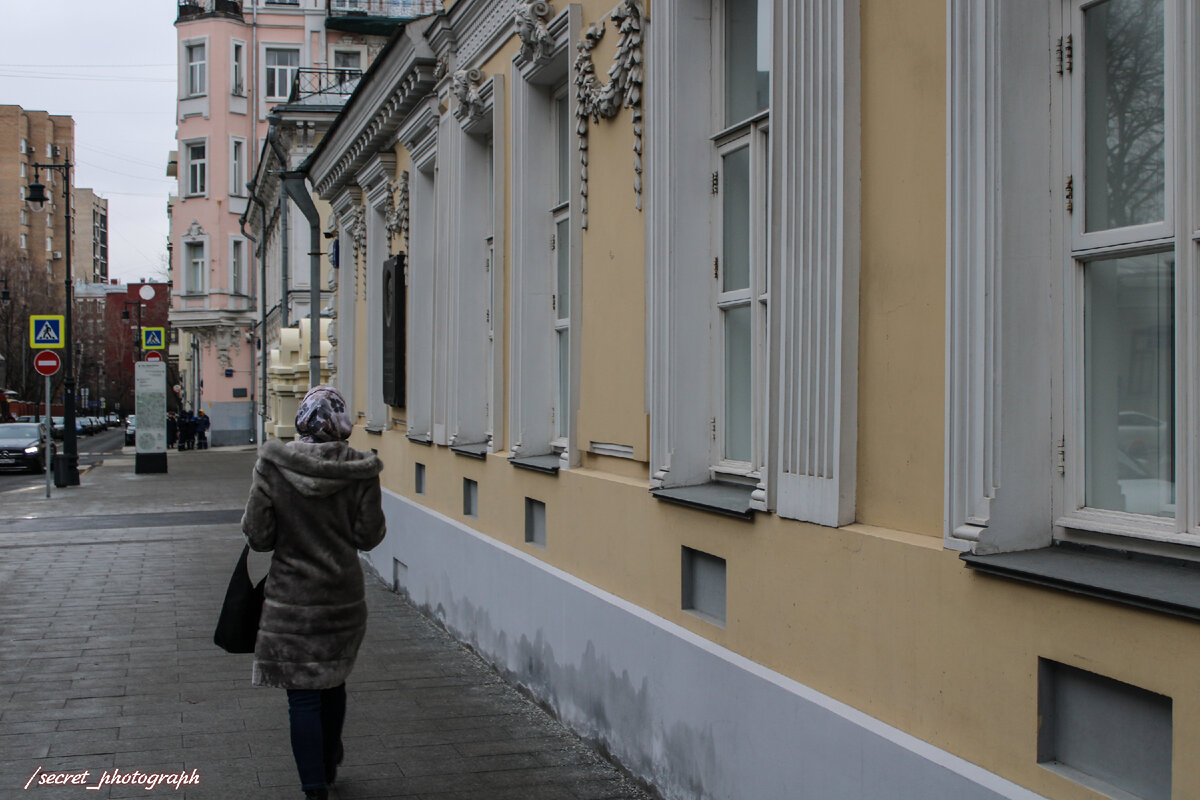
262, 303
283, 224
296, 188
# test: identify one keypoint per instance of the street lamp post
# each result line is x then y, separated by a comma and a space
66, 470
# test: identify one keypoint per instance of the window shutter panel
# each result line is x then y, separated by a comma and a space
815, 149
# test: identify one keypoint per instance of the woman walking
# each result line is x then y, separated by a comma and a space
316, 503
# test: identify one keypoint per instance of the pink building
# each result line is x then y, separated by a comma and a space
237, 60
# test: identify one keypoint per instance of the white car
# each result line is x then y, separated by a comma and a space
131, 429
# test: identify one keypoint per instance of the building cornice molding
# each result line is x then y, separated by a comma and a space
400, 79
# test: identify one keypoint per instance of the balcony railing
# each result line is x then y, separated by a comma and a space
391, 9
190, 9
327, 87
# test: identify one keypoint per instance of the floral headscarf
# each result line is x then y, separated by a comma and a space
323, 416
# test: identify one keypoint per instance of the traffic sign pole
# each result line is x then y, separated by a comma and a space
49, 437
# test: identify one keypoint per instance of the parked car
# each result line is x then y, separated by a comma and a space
22, 444
131, 429
57, 429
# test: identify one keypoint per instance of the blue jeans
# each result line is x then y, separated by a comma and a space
316, 716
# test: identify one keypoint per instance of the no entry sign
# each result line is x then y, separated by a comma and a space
46, 363
154, 356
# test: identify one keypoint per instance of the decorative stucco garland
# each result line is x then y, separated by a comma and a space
604, 101
402, 208
358, 234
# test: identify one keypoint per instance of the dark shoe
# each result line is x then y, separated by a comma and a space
316, 794
331, 769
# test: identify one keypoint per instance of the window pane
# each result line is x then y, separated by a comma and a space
1124, 113
747, 58
737, 383
563, 123
564, 378
735, 219
562, 250
1129, 384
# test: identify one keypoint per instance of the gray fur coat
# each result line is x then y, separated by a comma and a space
316, 505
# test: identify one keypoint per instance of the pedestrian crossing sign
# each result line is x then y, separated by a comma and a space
154, 338
46, 331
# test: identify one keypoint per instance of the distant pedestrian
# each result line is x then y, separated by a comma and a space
202, 424
315, 502
187, 431
172, 429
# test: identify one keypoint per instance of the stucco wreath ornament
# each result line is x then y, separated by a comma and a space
624, 89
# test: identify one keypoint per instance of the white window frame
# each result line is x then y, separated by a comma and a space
195, 73
237, 68
273, 73
1076, 521
374, 181
237, 166
811, 390
1013, 475
24, 241
533, 411
195, 168
347, 206
339, 50
753, 134
468, 168
190, 266
238, 265
560, 216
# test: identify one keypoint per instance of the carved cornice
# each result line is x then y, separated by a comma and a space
531, 24
411, 87
599, 101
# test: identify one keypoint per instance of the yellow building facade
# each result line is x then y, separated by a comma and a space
758, 383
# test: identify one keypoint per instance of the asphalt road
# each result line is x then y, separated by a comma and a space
91, 449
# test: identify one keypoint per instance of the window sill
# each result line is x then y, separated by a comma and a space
424, 439
477, 450
1165, 585
717, 497
547, 464
374, 431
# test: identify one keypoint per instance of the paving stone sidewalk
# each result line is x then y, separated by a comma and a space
108, 597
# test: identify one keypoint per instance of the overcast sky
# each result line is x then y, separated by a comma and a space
110, 64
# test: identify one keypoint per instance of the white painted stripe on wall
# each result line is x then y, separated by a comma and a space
694, 718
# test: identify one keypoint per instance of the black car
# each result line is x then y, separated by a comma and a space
22, 445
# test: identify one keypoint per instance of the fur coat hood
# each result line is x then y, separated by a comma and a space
315, 505
320, 469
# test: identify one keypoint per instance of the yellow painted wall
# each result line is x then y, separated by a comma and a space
901, 375
877, 614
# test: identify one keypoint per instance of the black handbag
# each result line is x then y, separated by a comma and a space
237, 627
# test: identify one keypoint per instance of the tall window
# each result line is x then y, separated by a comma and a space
281, 70
237, 167
560, 212
193, 263
197, 174
237, 267
237, 72
348, 63
197, 69
741, 153
1124, 255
